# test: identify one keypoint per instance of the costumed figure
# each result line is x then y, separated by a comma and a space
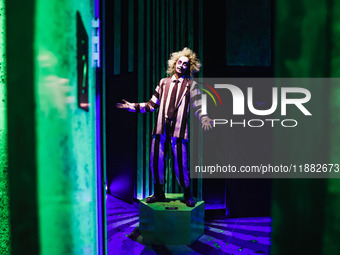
172, 98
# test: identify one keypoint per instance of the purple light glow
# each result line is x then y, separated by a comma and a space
118, 184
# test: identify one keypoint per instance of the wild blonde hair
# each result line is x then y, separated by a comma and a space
193, 61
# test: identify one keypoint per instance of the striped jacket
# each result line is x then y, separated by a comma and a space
188, 92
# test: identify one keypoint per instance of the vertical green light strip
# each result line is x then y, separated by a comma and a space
184, 32
157, 48
149, 88
130, 37
171, 24
140, 97
162, 48
4, 199
190, 14
167, 39
332, 217
191, 46
200, 75
153, 77
163, 24
103, 119
177, 9
167, 24
200, 36
116, 37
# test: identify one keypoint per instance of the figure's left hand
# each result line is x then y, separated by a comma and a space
206, 123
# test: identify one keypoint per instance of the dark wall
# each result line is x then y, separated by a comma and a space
238, 43
121, 83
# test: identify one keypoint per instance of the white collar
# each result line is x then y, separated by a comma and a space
173, 78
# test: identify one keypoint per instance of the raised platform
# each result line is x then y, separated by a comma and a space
171, 222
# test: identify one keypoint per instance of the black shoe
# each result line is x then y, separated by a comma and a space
190, 202
155, 198
159, 194
188, 199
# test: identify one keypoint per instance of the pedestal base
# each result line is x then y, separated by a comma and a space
160, 225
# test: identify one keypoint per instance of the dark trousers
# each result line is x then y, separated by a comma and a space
159, 151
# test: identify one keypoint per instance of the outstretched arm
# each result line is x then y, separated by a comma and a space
149, 106
126, 105
195, 95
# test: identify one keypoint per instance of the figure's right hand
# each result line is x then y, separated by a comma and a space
125, 105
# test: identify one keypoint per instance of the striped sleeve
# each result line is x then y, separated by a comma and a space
151, 105
195, 97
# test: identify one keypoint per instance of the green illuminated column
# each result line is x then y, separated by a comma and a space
140, 98
4, 205
306, 211
65, 133
51, 142
332, 217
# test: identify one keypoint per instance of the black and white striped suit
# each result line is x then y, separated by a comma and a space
174, 130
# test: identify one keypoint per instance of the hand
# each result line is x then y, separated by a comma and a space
125, 105
206, 123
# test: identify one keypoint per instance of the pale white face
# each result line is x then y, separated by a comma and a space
182, 65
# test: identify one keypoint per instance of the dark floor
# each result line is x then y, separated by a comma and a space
221, 236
